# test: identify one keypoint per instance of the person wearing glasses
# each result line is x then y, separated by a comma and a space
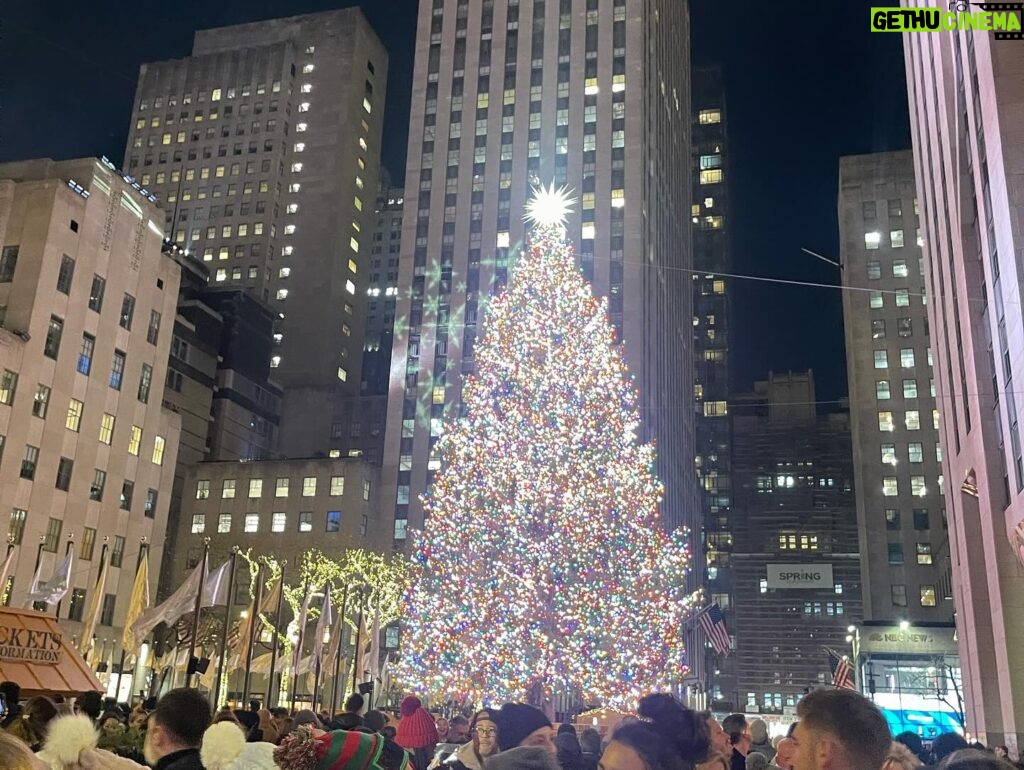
483, 732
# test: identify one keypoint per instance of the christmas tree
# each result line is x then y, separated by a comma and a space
544, 565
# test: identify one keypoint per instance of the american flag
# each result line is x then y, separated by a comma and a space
713, 622
842, 671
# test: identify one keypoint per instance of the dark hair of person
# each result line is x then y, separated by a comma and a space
912, 741
566, 727
279, 711
90, 704
11, 692
34, 721
185, 714
734, 724
458, 719
852, 719
973, 759
375, 720
945, 744
670, 737
254, 705
354, 702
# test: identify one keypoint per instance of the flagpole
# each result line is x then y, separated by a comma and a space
273, 692
252, 633
6, 598
337, 652
298, 648
359, 626
67, 550
224, 631
320, 641
103, 558
143, 548
196, 613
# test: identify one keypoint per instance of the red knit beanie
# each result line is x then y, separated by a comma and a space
416, 728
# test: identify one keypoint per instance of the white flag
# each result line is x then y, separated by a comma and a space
53, 590
33, 587
323, 625
371, 658
215, 587
303, 617
181, 601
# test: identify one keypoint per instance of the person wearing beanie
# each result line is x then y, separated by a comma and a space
417, 732
339, 750
306, 717
225, 748
523, 725
483, 743
71, 745
759, 740
570, 753
522, 758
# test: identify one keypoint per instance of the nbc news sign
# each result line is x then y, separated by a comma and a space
1003, 19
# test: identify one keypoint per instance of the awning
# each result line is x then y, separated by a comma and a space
36, 654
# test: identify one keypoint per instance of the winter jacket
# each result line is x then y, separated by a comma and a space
463, 759
763, 748
181, 760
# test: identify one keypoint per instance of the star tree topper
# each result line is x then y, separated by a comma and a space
549, 206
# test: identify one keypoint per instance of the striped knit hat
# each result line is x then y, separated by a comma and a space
339, 750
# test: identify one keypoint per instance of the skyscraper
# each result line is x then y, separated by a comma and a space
708, 214
508, 95
87, 305
901, 515
965, 93
263, 148
796, 569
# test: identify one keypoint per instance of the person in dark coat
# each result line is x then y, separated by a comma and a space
570, 753
349, 719
175, 730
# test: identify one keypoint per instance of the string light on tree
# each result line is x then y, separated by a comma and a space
544, 565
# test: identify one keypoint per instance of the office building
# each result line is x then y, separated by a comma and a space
263, 147
711, 387
894, 422
795, 560
87, 301
385, 253
218, 382
508, 95
965, 92
358, 430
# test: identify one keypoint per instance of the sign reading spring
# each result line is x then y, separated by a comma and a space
23, 645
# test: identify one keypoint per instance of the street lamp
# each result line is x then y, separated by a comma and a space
904, 625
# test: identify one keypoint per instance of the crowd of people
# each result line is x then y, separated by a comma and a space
835, 730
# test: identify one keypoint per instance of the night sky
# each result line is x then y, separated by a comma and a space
806, 83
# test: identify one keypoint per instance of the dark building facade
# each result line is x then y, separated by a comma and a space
217, 381
263, 149
709, 212
796, 568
